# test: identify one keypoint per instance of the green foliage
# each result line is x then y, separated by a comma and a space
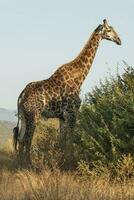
105, 129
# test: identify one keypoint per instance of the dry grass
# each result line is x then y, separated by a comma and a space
18, 184
25, 185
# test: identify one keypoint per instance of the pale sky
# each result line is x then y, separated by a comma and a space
36, 37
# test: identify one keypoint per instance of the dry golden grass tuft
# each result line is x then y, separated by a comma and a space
26, 185
18, 184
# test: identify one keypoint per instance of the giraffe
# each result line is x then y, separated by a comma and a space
58, 96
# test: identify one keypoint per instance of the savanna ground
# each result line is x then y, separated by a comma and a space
100, 163
18, 184
54, 184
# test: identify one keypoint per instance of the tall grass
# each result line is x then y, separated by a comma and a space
16, 184
83, 184
59, 186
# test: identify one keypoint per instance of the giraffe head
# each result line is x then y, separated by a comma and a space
107, 32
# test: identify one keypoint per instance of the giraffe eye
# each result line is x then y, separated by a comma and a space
109, 30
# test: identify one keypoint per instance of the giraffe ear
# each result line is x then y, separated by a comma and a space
99, 28
105, 23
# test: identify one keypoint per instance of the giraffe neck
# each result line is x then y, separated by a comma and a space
84, 60
74, 73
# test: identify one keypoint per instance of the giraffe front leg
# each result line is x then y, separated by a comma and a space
67, 125
63, 133
66, 138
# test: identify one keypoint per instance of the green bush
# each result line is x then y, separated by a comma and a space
105, 128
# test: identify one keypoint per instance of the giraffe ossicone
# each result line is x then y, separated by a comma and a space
58, 96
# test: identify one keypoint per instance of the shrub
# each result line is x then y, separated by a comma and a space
105, 125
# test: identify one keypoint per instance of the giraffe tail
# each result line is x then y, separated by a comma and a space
16, 129
15, 137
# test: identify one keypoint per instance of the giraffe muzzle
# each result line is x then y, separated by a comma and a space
118, 41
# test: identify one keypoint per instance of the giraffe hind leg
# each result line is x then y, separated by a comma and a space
28, 140
21, 153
